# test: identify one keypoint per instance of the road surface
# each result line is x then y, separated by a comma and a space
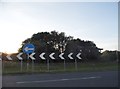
76, 79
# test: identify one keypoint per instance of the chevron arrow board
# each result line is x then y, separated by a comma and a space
78, 56
9, 57
19, 56
43, 57
51, 55
31, 56
61, 56
70, 55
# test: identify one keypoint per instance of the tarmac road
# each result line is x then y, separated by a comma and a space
76, 79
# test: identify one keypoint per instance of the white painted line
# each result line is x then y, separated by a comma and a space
57, 80
64, 79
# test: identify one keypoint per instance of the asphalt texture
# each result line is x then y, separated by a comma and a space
76, 79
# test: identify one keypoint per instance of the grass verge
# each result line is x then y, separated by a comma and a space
15, 67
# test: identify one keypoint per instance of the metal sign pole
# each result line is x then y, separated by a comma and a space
76, 64
64, 65
32, 65
27, 62
28, 49
21, 65
117, 56
48, 65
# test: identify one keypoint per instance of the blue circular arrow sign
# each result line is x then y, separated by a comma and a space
28, 48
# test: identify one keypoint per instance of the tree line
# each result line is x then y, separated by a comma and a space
56, 42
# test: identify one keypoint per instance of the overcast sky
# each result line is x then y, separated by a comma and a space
94, 21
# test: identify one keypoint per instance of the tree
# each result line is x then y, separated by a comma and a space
110, 55
88, 49
58, 42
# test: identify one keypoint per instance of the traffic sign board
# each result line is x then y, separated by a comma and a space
28, 48
42, 55
19, 56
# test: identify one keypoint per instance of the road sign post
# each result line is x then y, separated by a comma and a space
21, 60
61, 57
27, 62
76, 68
64, 65
21, 65
48, 65
32, 65
29, 49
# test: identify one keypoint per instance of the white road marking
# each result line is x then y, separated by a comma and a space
57, 80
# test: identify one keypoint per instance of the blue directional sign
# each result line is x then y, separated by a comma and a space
28, 48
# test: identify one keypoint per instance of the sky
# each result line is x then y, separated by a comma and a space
94, 21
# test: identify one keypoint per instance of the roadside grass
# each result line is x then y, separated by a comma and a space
15, 67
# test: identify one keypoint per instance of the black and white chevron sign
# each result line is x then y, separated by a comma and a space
43, 57
9, 57
19, 56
